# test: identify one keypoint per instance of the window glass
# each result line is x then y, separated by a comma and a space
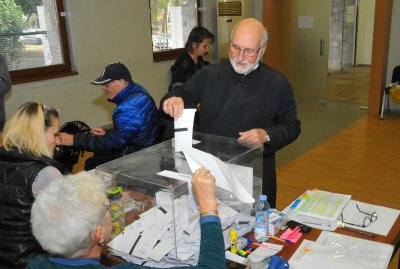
171, 23
31, 37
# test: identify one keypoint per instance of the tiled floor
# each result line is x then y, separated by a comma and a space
350, 86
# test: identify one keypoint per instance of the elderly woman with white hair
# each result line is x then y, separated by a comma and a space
71, 221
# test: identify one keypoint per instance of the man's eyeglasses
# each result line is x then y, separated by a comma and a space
106, 84
246, 52
369, 218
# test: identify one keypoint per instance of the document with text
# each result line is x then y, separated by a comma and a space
322, 204
333, 250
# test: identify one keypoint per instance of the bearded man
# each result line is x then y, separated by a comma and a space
242, 99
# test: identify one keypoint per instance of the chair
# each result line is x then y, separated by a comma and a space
386, 91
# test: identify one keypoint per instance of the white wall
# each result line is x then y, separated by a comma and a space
365, 31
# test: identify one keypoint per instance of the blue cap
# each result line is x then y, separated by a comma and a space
263, 197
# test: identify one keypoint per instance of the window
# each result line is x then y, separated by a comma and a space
33, 39
171, 23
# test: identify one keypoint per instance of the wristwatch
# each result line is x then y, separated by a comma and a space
267, 138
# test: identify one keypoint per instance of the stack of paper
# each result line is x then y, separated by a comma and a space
322, 204
337, 251
318, 209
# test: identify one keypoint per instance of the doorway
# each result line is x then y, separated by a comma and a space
350, 50
275, 18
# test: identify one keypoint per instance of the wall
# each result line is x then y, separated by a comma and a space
209, 20
365, 32
342, 33
101, 32
336, 36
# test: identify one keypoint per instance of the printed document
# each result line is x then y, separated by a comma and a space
337, 251
322, 204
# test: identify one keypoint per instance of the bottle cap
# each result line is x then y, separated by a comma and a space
114, 192
263, 197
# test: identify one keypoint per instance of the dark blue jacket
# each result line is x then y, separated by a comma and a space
135, 125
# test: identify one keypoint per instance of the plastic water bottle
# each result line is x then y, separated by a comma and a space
262, 219
116, 210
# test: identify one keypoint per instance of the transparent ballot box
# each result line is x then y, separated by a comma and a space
161, 215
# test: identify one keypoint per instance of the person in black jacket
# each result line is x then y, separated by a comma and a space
243, 99
191, 61
5, 86
26, 168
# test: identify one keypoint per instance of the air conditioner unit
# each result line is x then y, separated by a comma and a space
229, 13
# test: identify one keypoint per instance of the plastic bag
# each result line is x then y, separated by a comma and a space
395, 93
277, 262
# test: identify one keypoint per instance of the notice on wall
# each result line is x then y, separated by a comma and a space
305, 22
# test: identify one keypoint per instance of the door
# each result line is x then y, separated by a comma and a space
306, 36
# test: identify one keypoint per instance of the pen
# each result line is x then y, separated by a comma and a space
357, 231
280, 239
265, 246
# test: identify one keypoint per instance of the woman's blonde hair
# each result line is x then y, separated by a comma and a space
26, 130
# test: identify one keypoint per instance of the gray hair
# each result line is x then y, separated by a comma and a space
264, 38
65, 214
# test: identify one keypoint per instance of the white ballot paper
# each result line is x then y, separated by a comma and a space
183, 128
224, 177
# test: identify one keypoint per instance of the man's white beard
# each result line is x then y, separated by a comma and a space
240, 69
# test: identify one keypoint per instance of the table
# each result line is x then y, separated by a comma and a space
393, 238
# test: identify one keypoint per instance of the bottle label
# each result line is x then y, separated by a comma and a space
261, 222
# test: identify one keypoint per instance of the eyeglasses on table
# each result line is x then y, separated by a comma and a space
369, 218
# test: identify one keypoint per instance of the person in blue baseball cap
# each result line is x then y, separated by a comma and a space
134, 118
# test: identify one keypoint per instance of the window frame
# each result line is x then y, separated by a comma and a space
160, 56
52, 71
